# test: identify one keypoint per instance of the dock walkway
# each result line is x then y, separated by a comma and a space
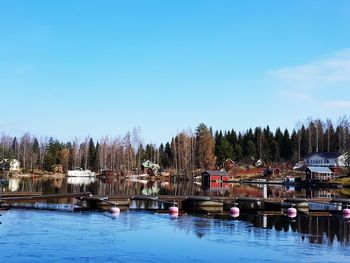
186, 203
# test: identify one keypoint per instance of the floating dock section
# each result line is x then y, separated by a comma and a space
191, 204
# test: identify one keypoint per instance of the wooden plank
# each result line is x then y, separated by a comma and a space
144, 197
319, 214
15, 194
270, 213
43, 197
198, 198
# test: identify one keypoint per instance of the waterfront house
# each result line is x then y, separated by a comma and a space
318, 172
12, 165
326, 159
214, 179
150, 167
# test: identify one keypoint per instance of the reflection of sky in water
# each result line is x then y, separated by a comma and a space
36, 236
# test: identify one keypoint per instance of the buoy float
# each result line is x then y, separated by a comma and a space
174, 212
234, 212
115, 210
292, 212
346, 213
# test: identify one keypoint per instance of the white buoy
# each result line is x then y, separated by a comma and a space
292, 212
234, 211
115, 210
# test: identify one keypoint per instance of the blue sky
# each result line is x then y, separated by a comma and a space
77, 68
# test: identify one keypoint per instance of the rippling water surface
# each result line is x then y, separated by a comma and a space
45, 236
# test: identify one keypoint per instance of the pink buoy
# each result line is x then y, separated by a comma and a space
234, 212
292, 212
115, 210
173, 210
346, 213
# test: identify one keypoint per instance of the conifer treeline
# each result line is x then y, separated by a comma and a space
186, 152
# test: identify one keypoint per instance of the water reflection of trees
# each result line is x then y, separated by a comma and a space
114, 186
317, 230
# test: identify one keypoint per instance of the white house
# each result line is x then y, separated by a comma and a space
11, 165
318, 172
326, 159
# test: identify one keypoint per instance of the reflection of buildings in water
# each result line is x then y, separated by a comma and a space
150, 188
292, 191
135, 180
165, 185
326, 193
243, 190
146, 204
13, 184
81, 180
57, 182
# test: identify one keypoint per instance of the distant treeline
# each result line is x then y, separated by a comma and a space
186, 152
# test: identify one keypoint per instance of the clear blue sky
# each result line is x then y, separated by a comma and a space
77, 68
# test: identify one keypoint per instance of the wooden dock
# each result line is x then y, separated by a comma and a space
16, 194
196, 204
217, 204
30, 197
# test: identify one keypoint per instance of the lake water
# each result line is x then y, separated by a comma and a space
140, 187
137, 236
44, 236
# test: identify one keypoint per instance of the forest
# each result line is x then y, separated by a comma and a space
188, 151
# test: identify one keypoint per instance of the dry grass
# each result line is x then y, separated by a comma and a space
344, 181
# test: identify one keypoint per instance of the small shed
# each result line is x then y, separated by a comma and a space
214, 179
318, 172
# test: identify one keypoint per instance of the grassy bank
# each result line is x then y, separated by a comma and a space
344, 181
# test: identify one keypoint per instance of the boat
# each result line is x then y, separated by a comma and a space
79, 172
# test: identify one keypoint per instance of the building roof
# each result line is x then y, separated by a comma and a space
149, 164
212, 172
319, 169
328, 155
